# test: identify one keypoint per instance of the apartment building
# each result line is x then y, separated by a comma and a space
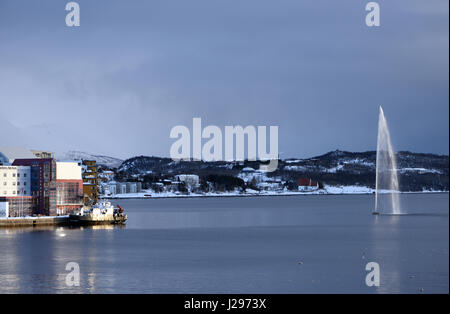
43, 184
15, 190
90, 182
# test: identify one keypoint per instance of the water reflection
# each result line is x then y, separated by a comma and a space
236, 245
34, 259
386, 251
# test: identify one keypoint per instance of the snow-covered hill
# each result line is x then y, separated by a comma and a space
107, 161
417, 172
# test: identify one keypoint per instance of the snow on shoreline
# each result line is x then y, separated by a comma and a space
328, 190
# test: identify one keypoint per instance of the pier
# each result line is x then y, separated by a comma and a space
34, 221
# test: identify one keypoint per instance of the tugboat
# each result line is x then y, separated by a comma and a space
101, 213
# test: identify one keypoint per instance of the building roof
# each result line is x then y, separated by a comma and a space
306, 182
9, 153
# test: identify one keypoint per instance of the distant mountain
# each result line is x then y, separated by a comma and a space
106, 161
161, 165
417, 172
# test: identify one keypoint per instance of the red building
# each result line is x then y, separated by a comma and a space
307, 184
69, 196
43, 184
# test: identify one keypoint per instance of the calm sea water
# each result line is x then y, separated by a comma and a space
293, 244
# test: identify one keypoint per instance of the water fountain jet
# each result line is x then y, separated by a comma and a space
386, 183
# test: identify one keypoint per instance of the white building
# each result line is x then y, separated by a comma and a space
15, 181
121, 188
131, 187
249, 174
111, 189
190, 180
107, 175
68, 170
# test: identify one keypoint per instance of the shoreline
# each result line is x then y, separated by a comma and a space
29, 221
253, 195
46, 221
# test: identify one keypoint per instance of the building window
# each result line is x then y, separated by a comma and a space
4, 183
24, 183
18, 183
14, 192
14, 183
14, 175
4, 174
24, 175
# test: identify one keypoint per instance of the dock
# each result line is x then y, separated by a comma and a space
34, 221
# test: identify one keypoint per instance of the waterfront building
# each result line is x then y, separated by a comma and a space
90, 182
138, 187
43, 184
131, 187
14, 181
121, 188
69, 188
29, 186
111, 189
15, 191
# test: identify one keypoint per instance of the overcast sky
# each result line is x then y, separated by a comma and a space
117, 84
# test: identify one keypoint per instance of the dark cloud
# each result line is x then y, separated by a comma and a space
134, 69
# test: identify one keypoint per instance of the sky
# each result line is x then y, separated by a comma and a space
133, 70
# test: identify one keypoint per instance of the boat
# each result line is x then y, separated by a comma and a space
101, 213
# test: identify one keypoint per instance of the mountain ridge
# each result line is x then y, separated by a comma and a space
102, 160
417, 171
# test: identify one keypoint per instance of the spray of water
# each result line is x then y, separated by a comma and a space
386, 188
